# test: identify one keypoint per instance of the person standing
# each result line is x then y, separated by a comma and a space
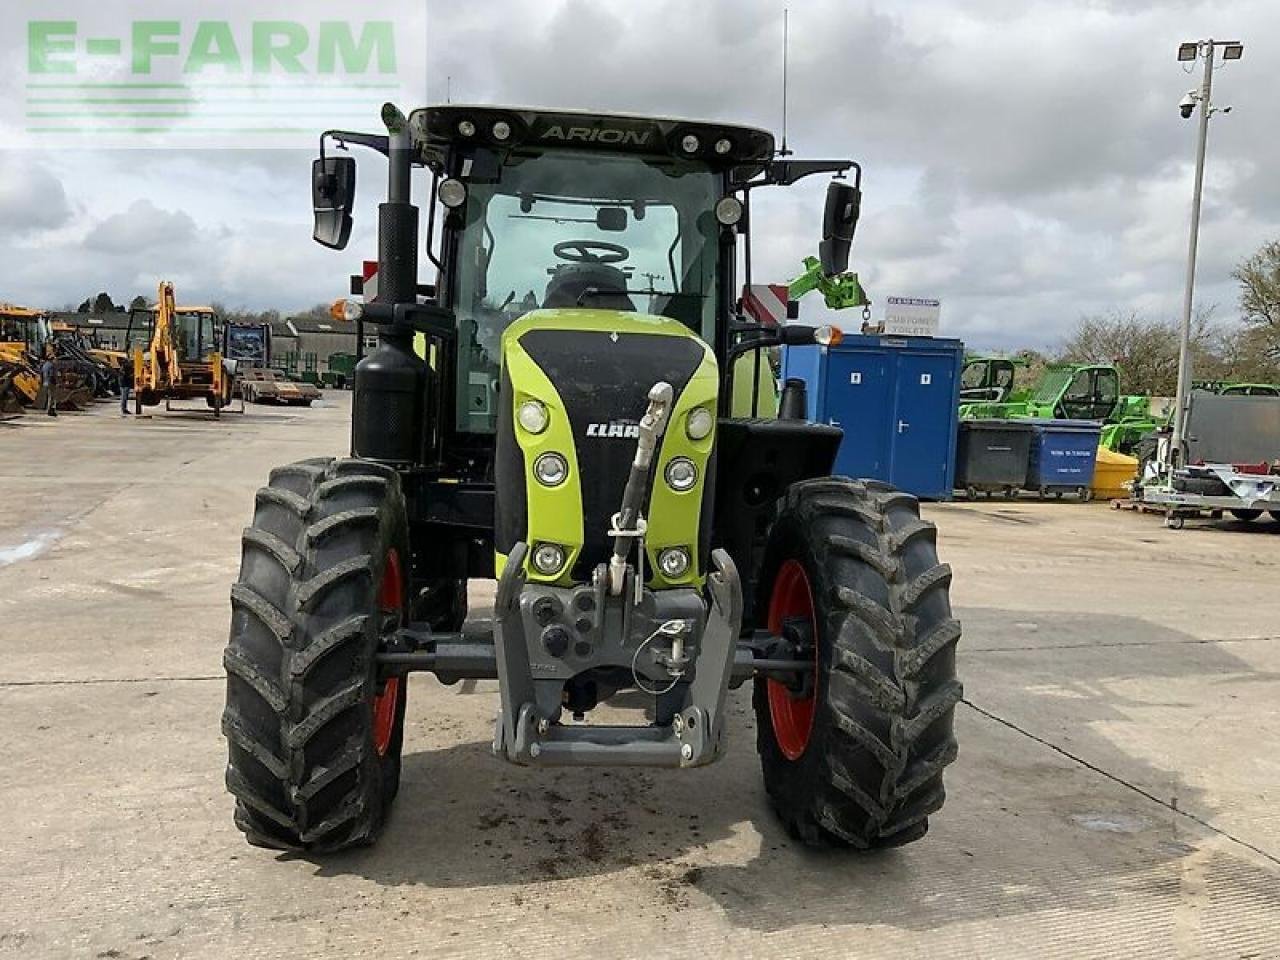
126, 385
49, 379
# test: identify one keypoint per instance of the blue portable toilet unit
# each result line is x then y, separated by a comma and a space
897, 400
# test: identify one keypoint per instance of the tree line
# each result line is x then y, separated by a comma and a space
103, 303
1145, 350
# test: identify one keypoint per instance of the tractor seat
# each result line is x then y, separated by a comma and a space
570, 280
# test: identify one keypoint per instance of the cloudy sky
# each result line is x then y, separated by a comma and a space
1023, 161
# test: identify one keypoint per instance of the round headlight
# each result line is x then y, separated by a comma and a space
452, 193
698, 425
548, 558
674, 562
533, 416
723, 146
551, 469
501, 130
466, 128
690, 143
681, 474
729, 210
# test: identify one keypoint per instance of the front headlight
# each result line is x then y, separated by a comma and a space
532, 415
551, 469
699, 423
548, 558
674, 562
681, 474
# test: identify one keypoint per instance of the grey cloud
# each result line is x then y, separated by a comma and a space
142, 228
32, 199
1024, 160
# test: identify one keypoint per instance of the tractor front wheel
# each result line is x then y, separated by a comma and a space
314, 732
854, 756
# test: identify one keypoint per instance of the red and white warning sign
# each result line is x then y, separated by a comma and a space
369, 269
766, 302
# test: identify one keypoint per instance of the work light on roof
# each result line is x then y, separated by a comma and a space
1233, 51
689, 143
466, 128
501, 130
1188, 51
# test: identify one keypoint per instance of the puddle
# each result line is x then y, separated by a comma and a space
29, 548
1112, 822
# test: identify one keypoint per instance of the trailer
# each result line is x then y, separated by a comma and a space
1244, 492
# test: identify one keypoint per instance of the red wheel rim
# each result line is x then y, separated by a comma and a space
792, 715
385, 703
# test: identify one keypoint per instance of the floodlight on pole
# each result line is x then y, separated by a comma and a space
1194, 100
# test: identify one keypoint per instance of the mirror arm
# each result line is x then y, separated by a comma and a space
373, 141
783, 173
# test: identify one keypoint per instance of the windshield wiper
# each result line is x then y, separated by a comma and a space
613, 291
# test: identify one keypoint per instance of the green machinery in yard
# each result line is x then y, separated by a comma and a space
839, 292
341, 371
989, 378
1077, 391
1231, 388
577, 437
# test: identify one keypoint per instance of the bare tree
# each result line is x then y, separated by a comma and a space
1144, 351
1246, 355
1259, 278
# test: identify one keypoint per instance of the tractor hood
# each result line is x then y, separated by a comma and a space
590, 372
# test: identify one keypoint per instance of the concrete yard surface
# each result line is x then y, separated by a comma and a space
1115, 795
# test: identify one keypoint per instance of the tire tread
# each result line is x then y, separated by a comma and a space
871, 775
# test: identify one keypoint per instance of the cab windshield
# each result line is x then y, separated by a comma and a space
195, 333
566, 229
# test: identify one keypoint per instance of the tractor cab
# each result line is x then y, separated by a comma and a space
554, 212
192, 331
987, 379
1081, 392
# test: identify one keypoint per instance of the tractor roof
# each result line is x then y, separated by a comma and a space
719, 144
13, 310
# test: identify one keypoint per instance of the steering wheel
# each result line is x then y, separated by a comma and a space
590, 251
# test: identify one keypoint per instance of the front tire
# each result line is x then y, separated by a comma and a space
855, 758
314, 734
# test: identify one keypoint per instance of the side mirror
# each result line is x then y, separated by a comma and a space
333, 193
839, 219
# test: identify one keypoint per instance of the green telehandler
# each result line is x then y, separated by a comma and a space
1078, 391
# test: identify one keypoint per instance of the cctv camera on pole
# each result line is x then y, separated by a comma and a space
1188, 52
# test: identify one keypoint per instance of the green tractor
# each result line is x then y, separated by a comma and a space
577, 437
